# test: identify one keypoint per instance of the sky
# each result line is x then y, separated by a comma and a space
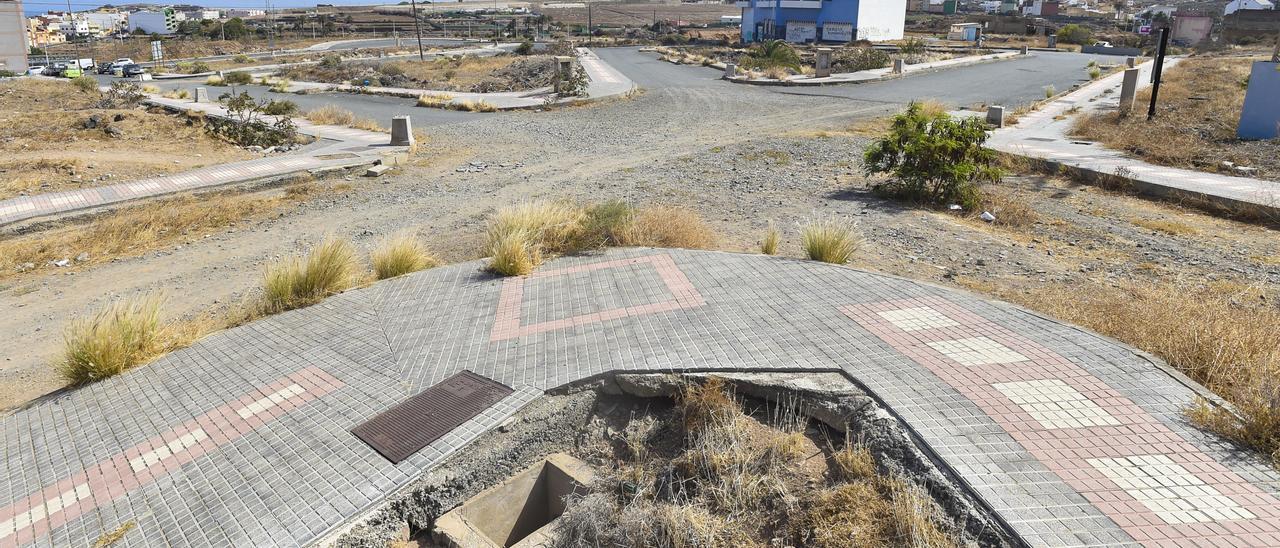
35, 7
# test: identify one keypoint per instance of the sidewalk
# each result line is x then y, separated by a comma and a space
603, 82
873, 74
244, 438
340, 147
1041, 135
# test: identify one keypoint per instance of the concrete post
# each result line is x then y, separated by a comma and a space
898, 66
730, 70
1128, 90
202, 95
1053, 40
564, 71
995, 115
1025, 50
401, 132
822, 65
1130, 62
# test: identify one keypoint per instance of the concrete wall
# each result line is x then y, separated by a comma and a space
1260, 118
1191, 28
13, 36
1258, 24
881, 19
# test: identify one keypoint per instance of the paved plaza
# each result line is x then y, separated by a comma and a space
244, 439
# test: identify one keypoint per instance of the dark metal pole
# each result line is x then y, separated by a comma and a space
1157, 70
417, 29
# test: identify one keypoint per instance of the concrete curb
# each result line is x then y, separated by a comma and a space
989, 58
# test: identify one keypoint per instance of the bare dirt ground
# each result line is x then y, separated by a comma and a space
740, 173
48, 144
633, 14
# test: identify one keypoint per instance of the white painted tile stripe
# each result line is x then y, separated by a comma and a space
151, 458
270, 401
26, 519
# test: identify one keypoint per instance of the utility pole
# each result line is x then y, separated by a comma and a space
588, 19
1157, 70
417, 29
73, 31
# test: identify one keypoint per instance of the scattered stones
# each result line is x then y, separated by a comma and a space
987, 216
61, 262
93, 122
82, 257
115, 131
119, 117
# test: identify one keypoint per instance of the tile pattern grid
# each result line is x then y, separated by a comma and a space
144, 463
1150, 481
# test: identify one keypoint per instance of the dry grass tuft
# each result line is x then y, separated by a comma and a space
1166, 226
830, 239
113, 536
331, 115
123, 335
478, 105
513, 253
769, 245
435, 100
329, 268
180, 93
707, 404
400, 254
667, 226
853, 462
1010, 207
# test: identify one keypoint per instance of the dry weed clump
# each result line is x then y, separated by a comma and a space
1010, 207
518, 237
329, 268
830, 239
400, 254
769, 245
734, 480
331, 115
124, 334
435, 100
478, 105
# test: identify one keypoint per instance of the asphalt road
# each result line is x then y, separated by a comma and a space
1010, 83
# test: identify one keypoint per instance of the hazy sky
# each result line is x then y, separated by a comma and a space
33, 7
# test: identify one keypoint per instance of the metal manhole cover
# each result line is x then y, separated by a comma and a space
410, 425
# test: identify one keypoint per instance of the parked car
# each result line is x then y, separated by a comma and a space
55, 69
104, 68
35, 70
72, 71
134, 69
1102, 44
124, 61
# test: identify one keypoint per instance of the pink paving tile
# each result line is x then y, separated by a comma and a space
1112, 461
507, 321
115, 477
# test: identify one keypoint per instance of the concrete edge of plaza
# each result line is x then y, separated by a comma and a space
875, 75
361, 516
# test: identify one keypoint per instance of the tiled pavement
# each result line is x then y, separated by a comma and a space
242, 439
339, 147
1045, 134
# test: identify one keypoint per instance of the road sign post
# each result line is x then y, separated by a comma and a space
1157, 70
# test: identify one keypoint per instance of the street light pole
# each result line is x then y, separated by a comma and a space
417, 29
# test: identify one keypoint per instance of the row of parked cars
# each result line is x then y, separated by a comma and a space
123, 66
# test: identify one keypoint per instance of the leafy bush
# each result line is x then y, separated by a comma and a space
238, 78
525, 48
244, 125
1074, 34
772, 54
242, 59
280, 108
857, 59
330, 61
7, 73
912, 46
934, 158
391, 69
123, 94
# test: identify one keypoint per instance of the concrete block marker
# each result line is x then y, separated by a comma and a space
995, 115
1025, 50
401, 131
1131, 62
1128, 90
202, 95
822, 66
898, 66
730, 70
1053, 40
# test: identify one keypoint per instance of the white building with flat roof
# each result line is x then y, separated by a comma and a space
13, 37
154, 22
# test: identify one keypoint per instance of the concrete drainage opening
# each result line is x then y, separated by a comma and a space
767, 459
518, 512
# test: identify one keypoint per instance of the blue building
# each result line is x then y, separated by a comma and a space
836, 21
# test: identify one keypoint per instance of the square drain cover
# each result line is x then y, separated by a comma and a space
409, 426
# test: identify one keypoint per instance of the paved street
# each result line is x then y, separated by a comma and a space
243, 438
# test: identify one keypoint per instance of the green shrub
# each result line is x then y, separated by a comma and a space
7, 73
772, 54
330, 61
280, 108
1074, 34
242, 59
933, 158
391, 69
912, 46
525, 48
238, 78
858, 59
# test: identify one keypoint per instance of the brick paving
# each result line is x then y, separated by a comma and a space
243, 439
339, 147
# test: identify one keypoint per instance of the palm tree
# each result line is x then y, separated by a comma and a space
775, 53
